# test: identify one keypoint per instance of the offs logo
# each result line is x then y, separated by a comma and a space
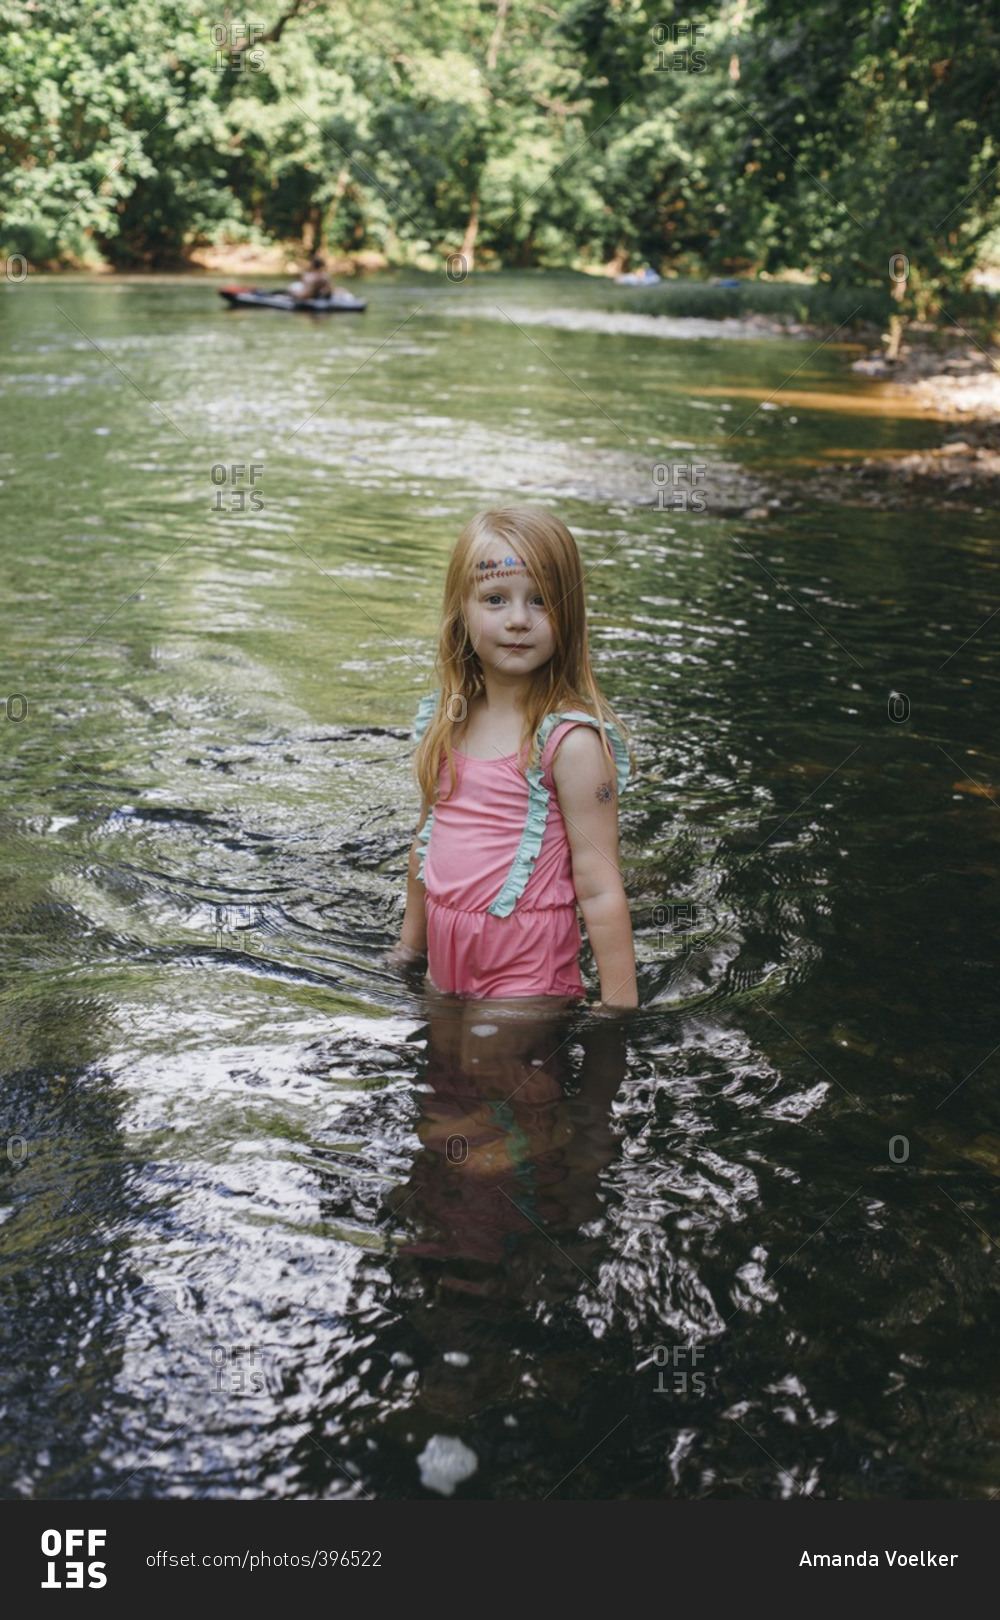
65, 1561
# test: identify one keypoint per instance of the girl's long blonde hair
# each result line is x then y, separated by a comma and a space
567, 681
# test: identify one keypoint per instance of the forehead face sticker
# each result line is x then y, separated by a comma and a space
498, 567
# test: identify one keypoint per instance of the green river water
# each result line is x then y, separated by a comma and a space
743, 1244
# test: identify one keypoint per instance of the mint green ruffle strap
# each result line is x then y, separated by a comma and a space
421, 720
424, 714
538, 808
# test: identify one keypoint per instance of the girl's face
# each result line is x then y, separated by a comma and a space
506, 619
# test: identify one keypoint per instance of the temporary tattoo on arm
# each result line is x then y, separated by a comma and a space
606, 792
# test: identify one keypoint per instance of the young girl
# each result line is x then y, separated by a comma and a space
520, 761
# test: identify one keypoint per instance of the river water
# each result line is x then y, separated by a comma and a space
740, 1245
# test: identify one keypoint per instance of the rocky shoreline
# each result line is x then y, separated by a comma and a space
958, 386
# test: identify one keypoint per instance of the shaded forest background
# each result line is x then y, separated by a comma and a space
752, 138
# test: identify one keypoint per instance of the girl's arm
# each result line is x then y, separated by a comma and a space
588, 798
412, 944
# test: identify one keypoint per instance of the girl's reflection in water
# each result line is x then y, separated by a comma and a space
501, 1216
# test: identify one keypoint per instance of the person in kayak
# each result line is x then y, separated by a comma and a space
314, 283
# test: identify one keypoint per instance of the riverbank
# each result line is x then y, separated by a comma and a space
250, 261
960, 385
957, 385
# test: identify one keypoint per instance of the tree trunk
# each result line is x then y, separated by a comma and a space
494, 46
468, 248
316, 221
328, 215
897, 320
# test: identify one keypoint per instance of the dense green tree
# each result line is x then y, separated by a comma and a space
112, 132
871, 131
766, 135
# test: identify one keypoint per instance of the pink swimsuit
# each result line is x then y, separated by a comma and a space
501, 908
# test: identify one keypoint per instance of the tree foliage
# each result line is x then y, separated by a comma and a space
812, 135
